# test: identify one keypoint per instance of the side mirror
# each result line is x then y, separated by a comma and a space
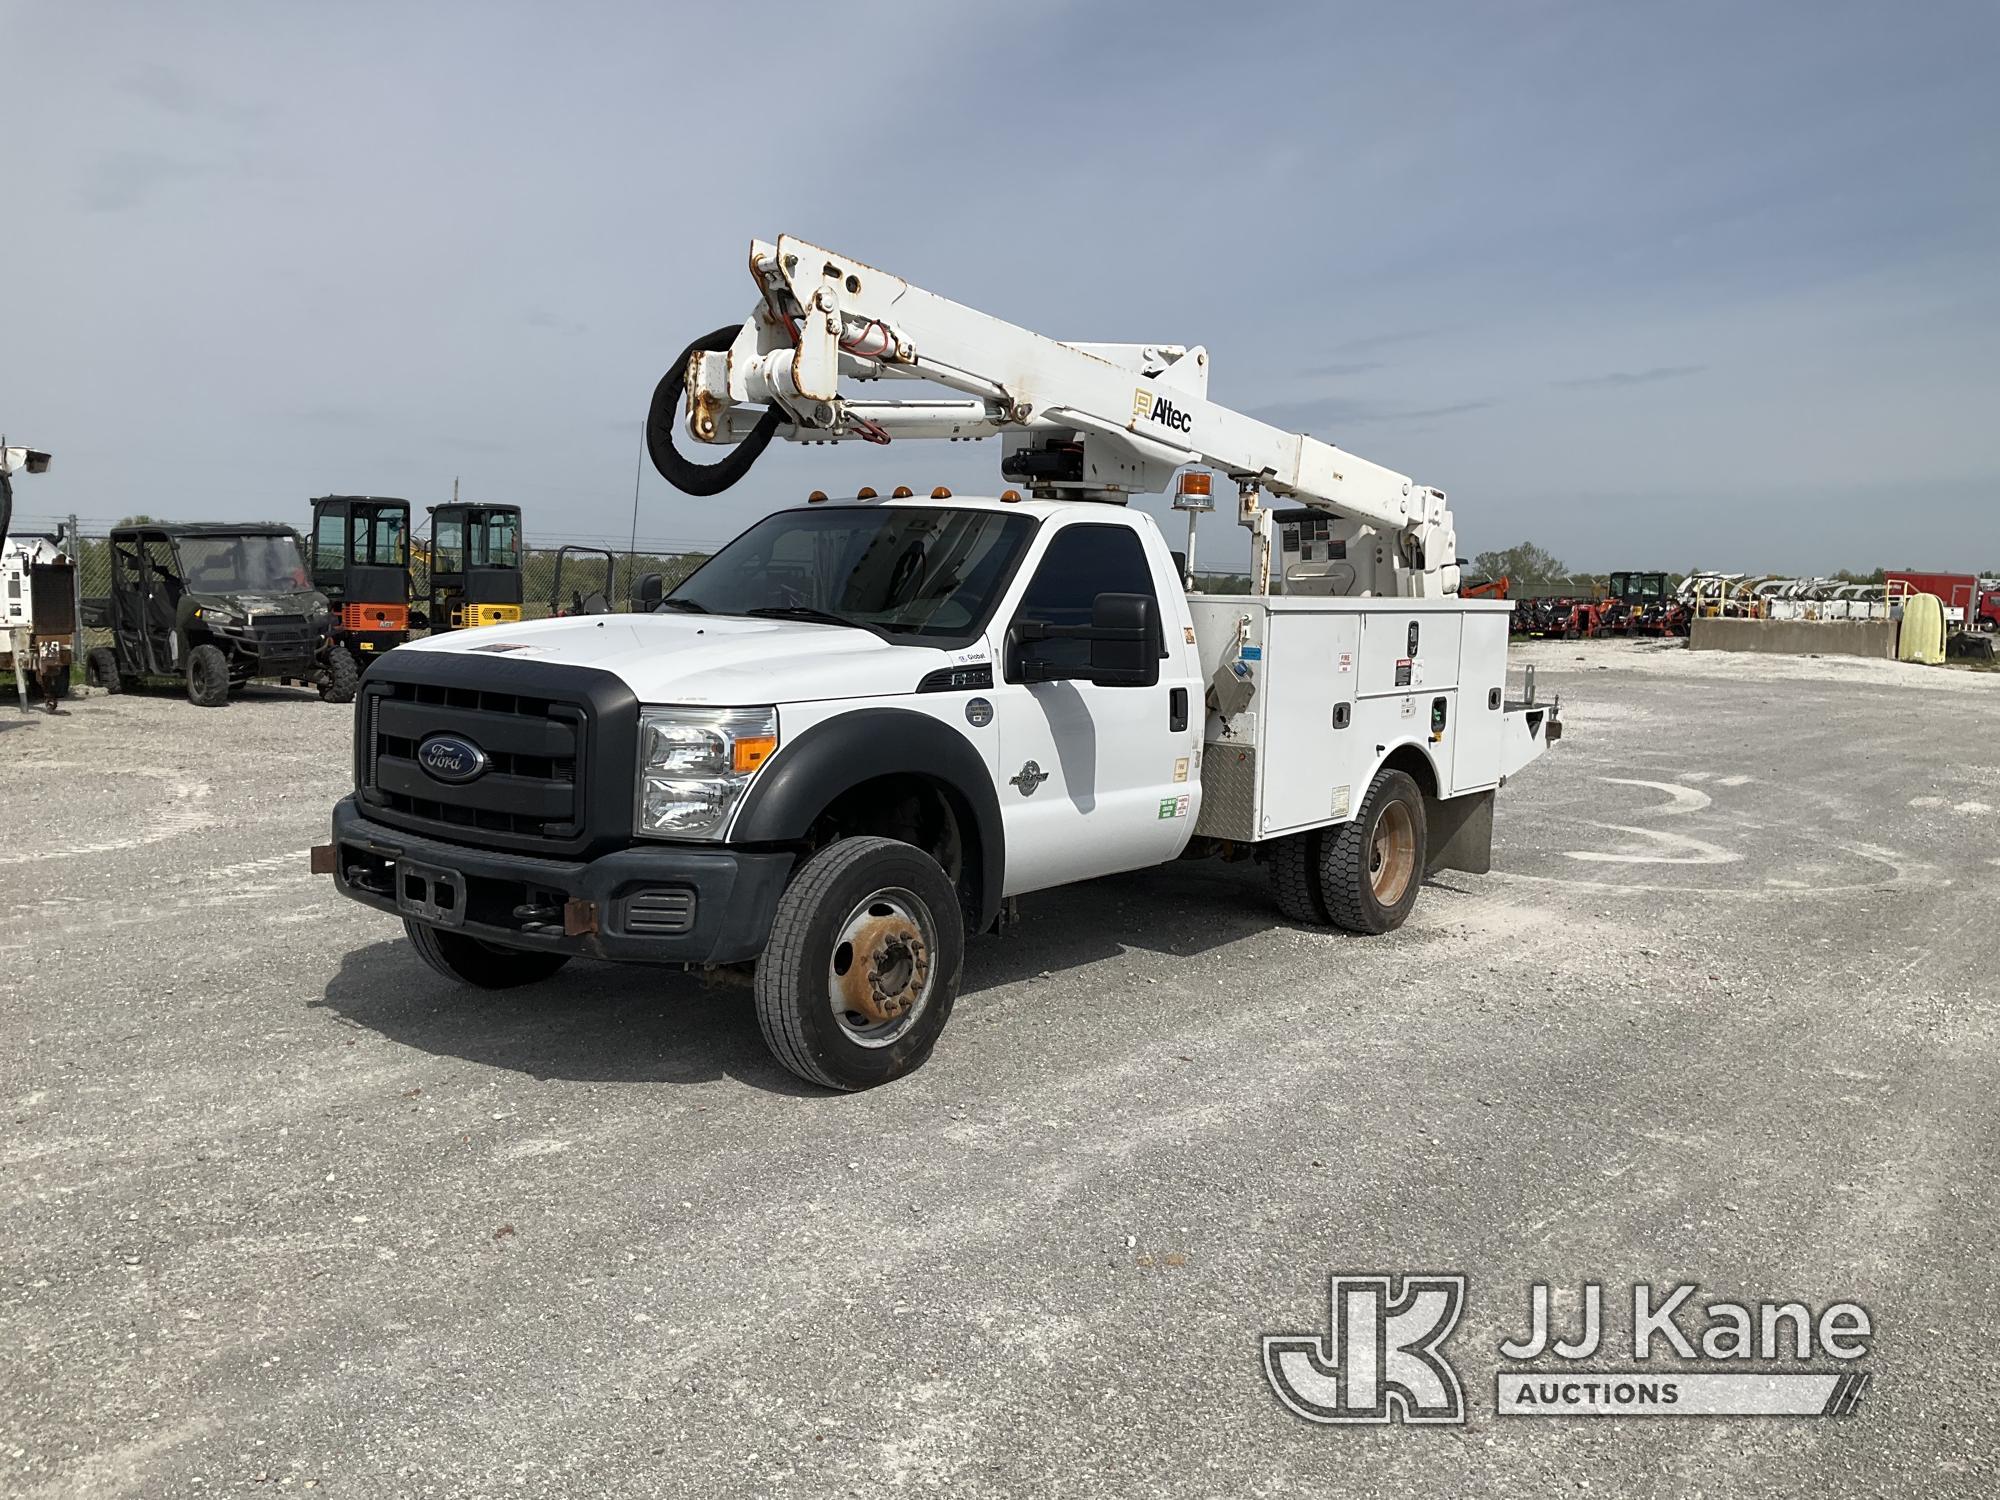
1124, 635
652, 589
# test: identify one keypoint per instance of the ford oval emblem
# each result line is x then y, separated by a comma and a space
446, 757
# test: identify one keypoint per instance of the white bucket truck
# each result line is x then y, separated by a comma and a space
863, 727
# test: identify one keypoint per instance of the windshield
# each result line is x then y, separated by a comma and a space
903, 570
242, 564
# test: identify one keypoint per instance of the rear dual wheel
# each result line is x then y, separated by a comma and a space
1362, 875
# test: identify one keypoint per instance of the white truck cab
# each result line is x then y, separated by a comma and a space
861, 728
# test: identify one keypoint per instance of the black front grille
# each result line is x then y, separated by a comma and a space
283, 635
561, 745
534, 750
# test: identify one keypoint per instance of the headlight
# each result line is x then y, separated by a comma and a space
694, 764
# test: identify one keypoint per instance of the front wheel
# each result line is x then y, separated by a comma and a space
1371, 867
863, 963
207, 677
484, 966
340, 677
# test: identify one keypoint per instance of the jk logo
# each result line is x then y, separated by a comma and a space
1379, 1358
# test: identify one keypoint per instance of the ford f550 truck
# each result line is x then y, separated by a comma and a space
864, 726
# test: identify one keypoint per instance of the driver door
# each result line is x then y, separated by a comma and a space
1088, 775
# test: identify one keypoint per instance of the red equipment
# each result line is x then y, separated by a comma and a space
1958, 591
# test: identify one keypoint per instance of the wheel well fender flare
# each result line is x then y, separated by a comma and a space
836, 755
1413, 757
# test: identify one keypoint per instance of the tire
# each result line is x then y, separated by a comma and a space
1294, 867
861, 916
484, 966
340, 678
207, 677
100, 669
59, 685
1371, 868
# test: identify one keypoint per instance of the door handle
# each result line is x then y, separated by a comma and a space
1177, 709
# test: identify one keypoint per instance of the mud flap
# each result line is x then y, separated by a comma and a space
1460, 833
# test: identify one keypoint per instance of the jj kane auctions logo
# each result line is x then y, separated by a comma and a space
1382, 1359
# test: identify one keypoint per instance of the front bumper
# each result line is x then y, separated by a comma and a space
281, 651
647, 904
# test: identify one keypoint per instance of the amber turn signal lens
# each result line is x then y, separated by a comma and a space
751, 752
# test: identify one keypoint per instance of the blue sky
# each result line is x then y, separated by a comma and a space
1657, 287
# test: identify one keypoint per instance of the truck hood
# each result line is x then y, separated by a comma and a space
252, 606
715, 659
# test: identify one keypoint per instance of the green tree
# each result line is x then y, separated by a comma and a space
1525, 563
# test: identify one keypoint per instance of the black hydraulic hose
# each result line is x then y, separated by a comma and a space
693, 478
6, 504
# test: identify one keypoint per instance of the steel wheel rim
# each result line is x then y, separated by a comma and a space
1392, 855
882, 970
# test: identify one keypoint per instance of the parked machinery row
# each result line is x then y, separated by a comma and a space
1630, 604
216, 606
1969, 602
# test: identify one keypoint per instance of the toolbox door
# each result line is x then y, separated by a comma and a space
1479, 716
1309, 738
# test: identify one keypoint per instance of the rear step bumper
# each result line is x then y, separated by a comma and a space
647, 904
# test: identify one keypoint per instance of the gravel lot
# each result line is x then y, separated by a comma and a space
285, 1212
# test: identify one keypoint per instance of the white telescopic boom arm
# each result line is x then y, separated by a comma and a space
1141, 411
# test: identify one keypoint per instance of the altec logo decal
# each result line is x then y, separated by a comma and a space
1146, 407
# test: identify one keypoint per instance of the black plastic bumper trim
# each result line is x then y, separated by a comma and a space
735, 890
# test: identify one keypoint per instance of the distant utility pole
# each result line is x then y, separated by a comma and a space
632, 547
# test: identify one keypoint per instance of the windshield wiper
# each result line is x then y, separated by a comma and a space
687, 604
808, 613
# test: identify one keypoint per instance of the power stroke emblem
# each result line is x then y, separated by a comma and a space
446, 757
1146, 407
1028, 778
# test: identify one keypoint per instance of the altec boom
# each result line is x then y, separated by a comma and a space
1131, 413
